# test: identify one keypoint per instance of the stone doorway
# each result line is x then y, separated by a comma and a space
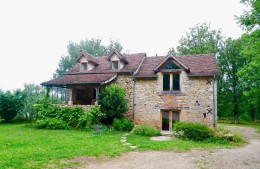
168, 118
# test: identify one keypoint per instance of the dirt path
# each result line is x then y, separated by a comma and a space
247, 157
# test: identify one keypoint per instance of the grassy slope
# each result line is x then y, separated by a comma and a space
22, 146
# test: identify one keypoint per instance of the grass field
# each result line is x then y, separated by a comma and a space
22, 146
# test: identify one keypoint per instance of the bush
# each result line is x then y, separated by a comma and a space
192, 131
69, 115
51, 123
146, 131
10, 105
113, 103
122, 124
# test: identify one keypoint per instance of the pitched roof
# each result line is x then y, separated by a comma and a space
120, 55
89, 57
140, 65
104, 66
198, 65
168, 58
81, 79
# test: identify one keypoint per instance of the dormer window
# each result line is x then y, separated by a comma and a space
115, 65
84, 66
117, 60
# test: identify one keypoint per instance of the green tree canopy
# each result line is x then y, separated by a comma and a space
10, 104
200, 40
91, 46
113, 103
250, 19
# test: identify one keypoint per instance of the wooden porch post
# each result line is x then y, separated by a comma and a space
97, 94
70, 102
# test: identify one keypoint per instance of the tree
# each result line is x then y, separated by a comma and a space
250, 19
113, 103
91, 46
200, 40
230, 61
31, 94
250, 72
10, 103
172, 52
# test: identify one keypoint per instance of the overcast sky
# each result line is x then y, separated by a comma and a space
34, 33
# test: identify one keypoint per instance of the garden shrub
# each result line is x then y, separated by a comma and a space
192, 131
51, 123
146, 130
113, 103
122, 124
71, 116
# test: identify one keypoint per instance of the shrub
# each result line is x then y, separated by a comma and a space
51, 123
10, 105
146, 131
193, 131
69, 115
122, 124
113, 103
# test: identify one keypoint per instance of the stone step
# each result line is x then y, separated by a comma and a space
166, 133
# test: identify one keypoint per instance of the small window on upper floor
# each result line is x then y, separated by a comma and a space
84, 66
171, 82
170, 66
115, 65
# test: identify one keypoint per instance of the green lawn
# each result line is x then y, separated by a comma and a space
144, 143
22, 146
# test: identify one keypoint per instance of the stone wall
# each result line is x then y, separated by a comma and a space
150, 100
127, 83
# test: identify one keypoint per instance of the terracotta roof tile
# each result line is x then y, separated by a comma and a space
80, 79
199, 65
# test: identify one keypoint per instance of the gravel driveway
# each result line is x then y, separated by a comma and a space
246, 157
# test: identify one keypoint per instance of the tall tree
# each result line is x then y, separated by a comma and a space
230, 61
200, 39
250, 72
91, 46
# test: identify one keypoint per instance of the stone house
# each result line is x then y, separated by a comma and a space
160, 89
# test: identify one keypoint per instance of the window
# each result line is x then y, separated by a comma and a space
171, 82
170, 66
115, 65
84, 66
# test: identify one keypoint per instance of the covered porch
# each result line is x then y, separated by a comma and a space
81, 89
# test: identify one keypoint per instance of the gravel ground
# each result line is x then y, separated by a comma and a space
246, 157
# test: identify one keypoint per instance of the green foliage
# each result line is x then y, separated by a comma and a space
192, 131
146, 130
91, 46
250, 19
72, 116
230, 61
92, 117
113, 103
10, 104
200, 40
122, 124
51, 123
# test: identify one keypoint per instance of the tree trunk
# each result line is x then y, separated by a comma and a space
235, 112
252, 112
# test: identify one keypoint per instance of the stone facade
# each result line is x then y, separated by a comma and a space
150, 100
126, 81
